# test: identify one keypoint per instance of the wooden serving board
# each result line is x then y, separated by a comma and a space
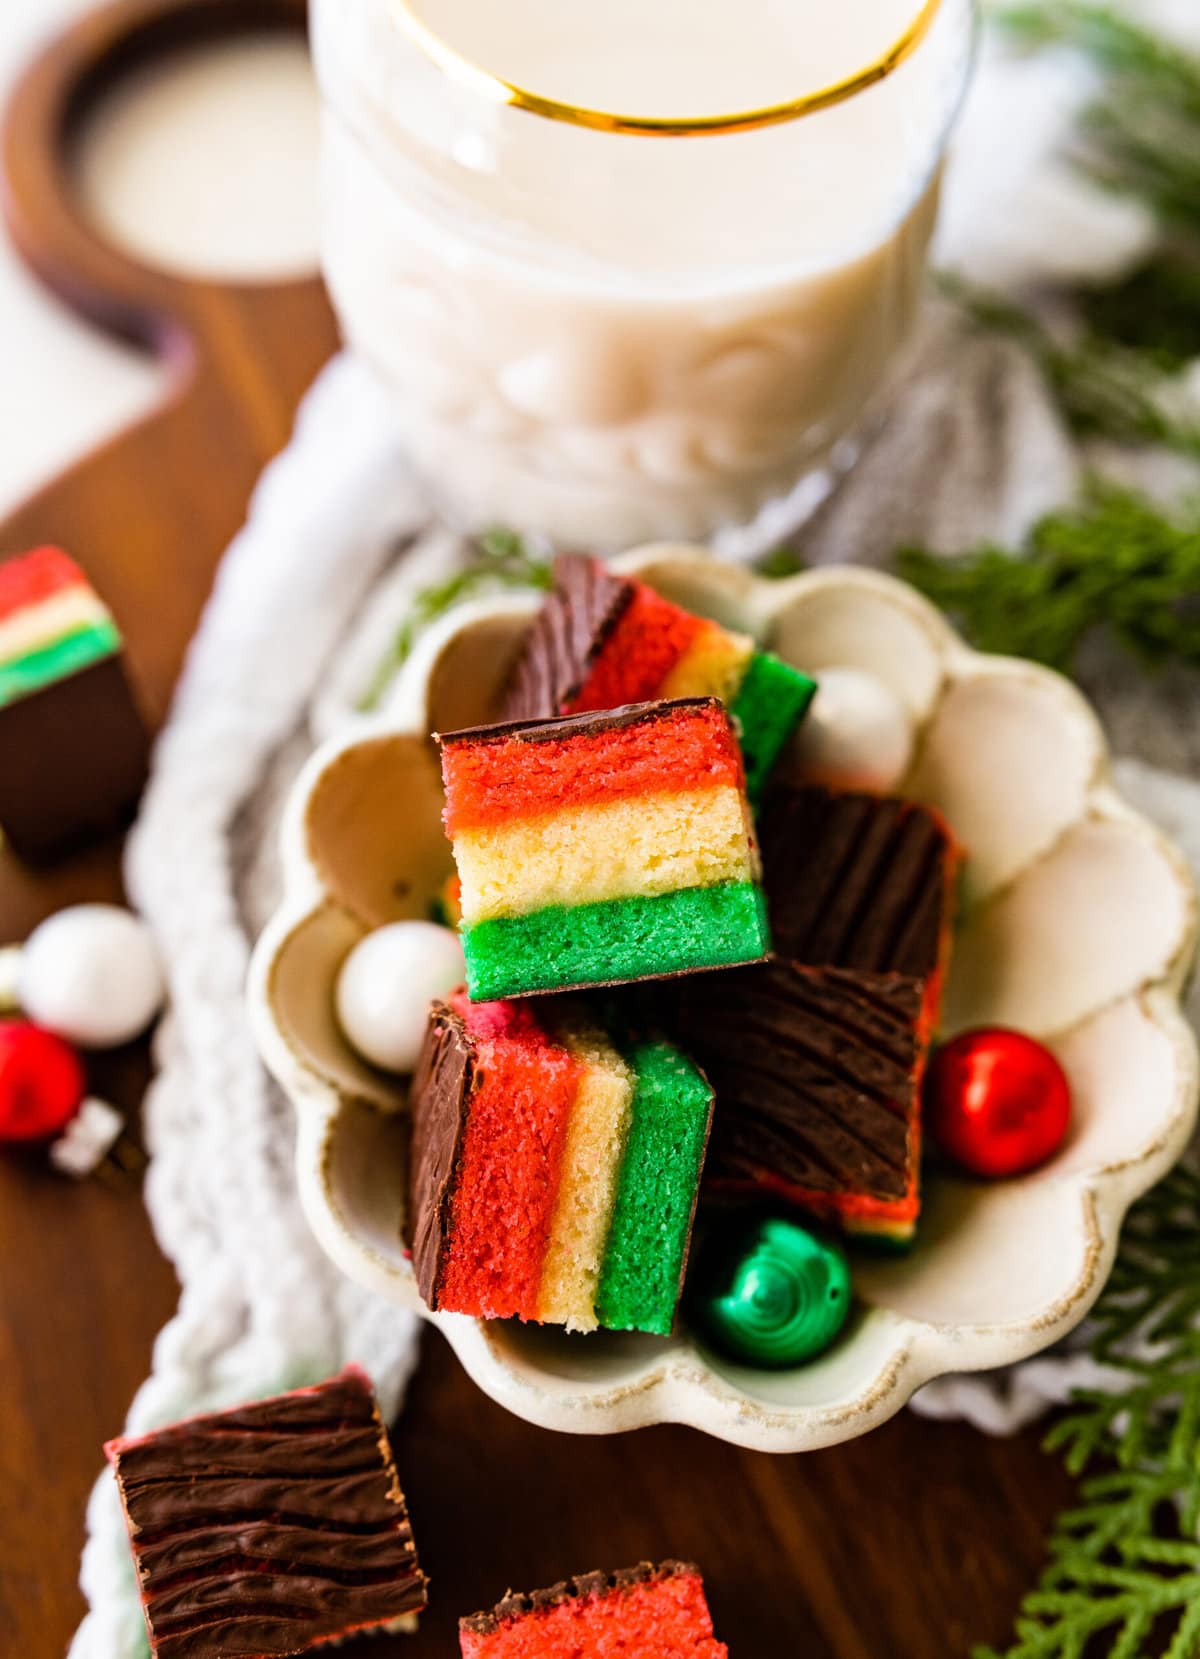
910, 1544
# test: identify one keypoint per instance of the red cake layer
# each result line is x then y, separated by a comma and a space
856, 1211
665, 1618
650, 638
532, 773
511, 1156
500, 1020
32, 577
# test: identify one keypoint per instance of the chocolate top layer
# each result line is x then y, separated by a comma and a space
442, 1087
814, 1071
856, 881
567, 636
574, 1589
578, 725
263, 1530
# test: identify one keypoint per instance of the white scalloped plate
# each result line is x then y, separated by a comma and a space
1079, 927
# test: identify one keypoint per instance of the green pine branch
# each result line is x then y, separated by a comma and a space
1104, 387
1153, 312
1124, 1564
1117, 376
1138, 136
1115, 561
499, 559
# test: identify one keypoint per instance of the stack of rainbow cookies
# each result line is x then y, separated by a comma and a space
666, 938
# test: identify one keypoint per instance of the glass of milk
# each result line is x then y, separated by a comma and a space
635, 269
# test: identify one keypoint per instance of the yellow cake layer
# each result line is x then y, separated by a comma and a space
607, 850
714, 666
596, 1135
38, 625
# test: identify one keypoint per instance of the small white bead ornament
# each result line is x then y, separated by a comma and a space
88, 1139
386, 985
92, 975
857, 733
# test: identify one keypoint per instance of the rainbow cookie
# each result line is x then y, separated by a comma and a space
75, 749
817, 1057
817, 1073
858, 881
601, 848
861, 881
554, 1175
651, 1612
602, 640
52, 623
271, 1529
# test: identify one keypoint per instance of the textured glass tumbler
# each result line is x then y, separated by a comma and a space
633, 271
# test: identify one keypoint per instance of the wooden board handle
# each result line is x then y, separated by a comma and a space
41, 130
149, 513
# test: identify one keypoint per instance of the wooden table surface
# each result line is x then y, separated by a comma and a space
910, 1544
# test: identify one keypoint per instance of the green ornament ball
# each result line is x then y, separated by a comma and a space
769, 1293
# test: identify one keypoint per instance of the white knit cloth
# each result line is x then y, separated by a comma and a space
972, 449
262, 1308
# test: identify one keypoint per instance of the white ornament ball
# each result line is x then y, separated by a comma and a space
92, 975
857, 733
386, 985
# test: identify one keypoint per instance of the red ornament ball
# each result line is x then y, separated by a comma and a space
41, 1082
997, 1101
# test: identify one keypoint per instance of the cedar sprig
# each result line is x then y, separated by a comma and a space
1115, 561
1124, 1564
1104, 387
1154, 311
1116, 375
1139, 135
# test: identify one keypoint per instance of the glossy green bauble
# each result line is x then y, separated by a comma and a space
770, 1293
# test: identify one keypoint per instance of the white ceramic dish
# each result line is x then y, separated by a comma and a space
1079, 927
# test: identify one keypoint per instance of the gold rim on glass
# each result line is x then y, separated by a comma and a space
499, 91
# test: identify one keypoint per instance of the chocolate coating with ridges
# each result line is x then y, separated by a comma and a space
856, 881
567, 636
269, 1529
815, 1074
442, 1086
578, 725
574, 1589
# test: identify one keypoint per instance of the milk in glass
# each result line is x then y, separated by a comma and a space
614, 336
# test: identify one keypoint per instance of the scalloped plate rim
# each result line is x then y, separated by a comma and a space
682, 1387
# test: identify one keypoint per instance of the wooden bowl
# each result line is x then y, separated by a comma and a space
1078, 926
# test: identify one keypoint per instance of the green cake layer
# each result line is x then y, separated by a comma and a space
770, 702
656, 1192
645, 936
29, 673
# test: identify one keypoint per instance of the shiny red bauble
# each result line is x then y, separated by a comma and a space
996, 1101
41, 1082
